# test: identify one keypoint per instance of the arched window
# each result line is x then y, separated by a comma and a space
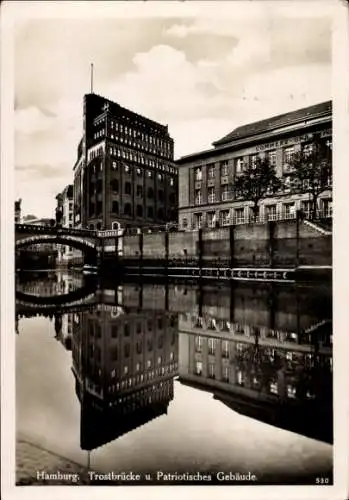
99, 226
160, 194
139, 211
115, 207
150, 193
127, 188
115, 225
127, 209
160, 213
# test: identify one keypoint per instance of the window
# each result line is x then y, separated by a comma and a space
139, 191
211, 370
239, 215
253, 161
198, 368
149, 363
211, 219
160, 194
127, 330
114, 165
150, 193
198, 197
139, 171
288, 155
127, 350
159, 360
114, 184
226, 194
115, 207
197, 221
224, 168
198, 343
239, 165
271, 212
171, 181
327, 207
272, 157
127, 209
172, 198
150, 212
139, 347
273, 387
184, 222
125, 370
127, 188
211, 346
225, 217
198, 174
160, 177
225, 348
225, 373
210, 171
289, 210
211, 195
160, 213
139, 211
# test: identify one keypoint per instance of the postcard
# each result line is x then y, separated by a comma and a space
172, 321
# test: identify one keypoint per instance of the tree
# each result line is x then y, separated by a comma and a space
311, 169
257, 181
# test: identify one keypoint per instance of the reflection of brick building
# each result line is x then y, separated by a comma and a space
124, 367
124, 173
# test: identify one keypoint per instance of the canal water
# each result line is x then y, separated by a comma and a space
222, 380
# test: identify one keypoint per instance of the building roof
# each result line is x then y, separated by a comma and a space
116, 106
258, 131
269, 124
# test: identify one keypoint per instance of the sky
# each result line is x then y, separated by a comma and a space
201, 75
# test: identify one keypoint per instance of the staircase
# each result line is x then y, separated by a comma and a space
322, 227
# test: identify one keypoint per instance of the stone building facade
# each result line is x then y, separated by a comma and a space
207, 178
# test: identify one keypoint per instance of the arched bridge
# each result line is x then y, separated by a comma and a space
30, 234
88, 241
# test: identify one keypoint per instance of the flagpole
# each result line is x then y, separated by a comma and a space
91, 78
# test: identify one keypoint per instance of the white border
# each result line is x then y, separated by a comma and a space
12, 9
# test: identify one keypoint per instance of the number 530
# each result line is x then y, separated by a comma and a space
322, 480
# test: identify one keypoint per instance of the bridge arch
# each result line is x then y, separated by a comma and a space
66, 299
77, 242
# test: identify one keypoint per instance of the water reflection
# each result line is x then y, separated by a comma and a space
263, 351
124, 367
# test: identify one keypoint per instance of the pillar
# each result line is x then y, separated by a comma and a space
271, 227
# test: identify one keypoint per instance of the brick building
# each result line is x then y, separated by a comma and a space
124, 174
206, 178
66, 218
18, 213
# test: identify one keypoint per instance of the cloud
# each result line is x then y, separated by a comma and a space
201, 76
31, 120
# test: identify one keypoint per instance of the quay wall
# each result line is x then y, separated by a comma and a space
276, 244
